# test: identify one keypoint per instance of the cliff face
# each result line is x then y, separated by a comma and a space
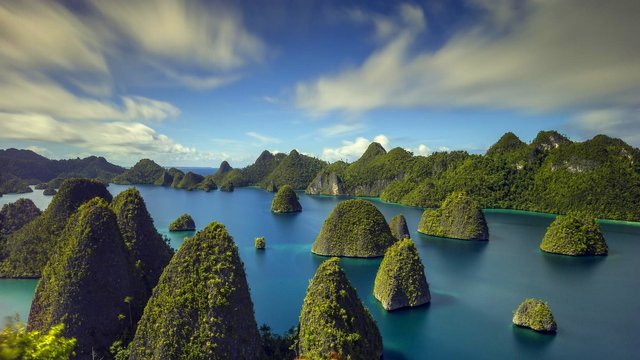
326, 184
399, 228
201, 307
459, 217
576, 234
333, 322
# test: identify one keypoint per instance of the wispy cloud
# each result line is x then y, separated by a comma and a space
264, 139
341, 129
621, 123
352, 150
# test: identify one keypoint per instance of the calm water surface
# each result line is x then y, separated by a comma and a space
475, 286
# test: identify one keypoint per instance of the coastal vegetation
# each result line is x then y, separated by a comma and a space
285, 201
184, 222
535, 314
260, 243
576, 234
17, 214
16, 343
459, 217
354, 228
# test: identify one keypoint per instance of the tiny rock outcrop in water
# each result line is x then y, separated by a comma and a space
285, 201
536, 315
399, 228
576, 234
459, 217
184, 222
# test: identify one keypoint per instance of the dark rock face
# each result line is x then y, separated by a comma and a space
224, 168
399, 228
145, 171
90, 285
201, 308
286, 201
184, 222
354, 228
459, 217
227, 186
536, 315
400, 281
333, 322
327, 184
17, 214
576, 234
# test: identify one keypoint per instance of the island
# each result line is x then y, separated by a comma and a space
227, 186
334, 324
399, 228
575, 234
15, 215
184, 222
400, 281
260, 243
459, 217
285, 201
354, 228
535, 314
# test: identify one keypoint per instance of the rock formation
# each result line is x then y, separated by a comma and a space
536, 315
459, 217
576, 234
285, 201
184, 222
399, 228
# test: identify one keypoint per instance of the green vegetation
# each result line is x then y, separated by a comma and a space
15, 215
12, 184
74, 281
296, 169
227, 186
261, 168
327, 181
285, 201
201, 307
333, 322
184, 222
16, 343
27, 250
400, 281
354, 228
208, 184
460, 217
536, 315
399, 228
508, 143
260, 244
223, 171
576, 234
144, 172
190, 181
49, 191
278, 347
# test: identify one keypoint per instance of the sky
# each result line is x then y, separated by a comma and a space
192, 83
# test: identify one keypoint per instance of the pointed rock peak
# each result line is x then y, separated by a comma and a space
264, 156
508, 142
285, 201
294, 153
72, 194
399, 228
374, 149
145, 163
547, 140
224, 167
15, 215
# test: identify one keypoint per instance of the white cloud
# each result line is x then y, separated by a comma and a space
352, 150
342, 129
621, 123
264, 139
554, 55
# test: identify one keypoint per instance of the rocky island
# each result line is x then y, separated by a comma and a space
260, 243
576, 234
536, 315
285, 201
459, 217
334, 324
184, 222
354, 228
400, 281
399, 228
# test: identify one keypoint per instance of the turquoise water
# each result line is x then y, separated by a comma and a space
475, 286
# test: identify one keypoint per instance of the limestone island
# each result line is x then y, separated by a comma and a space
535, 314
399, 228
334, 324
183, 223
227, 186
400, 281
286, 201
576, 234
459, 217
260, 244
354, 228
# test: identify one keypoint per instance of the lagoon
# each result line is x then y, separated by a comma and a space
475, 286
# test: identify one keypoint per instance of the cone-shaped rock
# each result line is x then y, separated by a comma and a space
354, 228
15, 215
400, 281
90, 285
399, 228
576, 234
285, 201
201, 307
148, 249
184, 222
536, 315
459, 217
334, 324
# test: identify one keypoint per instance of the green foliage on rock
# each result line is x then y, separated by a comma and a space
295, 169
15, 215
576, 234
184, 222
208, 184
201, 308
285, 201
223, 170
460, 217
12, 184
16, 343
399, 228
535, 314
508, 143
400, 281
258, 171
145, 171
260, 243
354, 228
278, 347
227, 186
334, 324
190, 181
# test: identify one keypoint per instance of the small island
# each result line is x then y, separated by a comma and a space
459, 217
400, 281
334, 324
183, 223
576, 234
399, 228
286, 201
260, 243
49, 191
354, 228
535, 314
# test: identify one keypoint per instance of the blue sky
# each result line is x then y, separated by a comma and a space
193, 83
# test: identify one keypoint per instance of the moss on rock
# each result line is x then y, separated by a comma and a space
400, 281
201, 307
399, 228
227, 186
354, 228
536, 315
576, 234
285, 201
184, 222
15, 215
459, 217
334, 324
260, 244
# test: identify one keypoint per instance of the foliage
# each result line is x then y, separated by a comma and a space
285, 201
574, 234
208, 184
145, 171
201, 307
16, 343
296, 169
278, 347
400, 281
15, 215
399, 228
535, 314
354, 228
227, 186
12, 184
184, 222
260, 243
460, 217
333, 322
261, 168
190, 181
508, 143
